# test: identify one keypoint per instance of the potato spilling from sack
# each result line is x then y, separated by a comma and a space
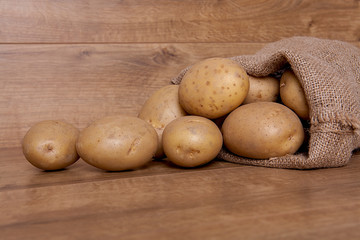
160, 109
117, 143
192, 141
213, 87
50, 145
292, 94
262, 89
262, 130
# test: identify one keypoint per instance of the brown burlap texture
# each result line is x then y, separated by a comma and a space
329, 72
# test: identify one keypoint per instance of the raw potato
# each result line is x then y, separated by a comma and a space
50, 145
213, 87
191, 141
262, 130
262, 89
292, 94
117, 143
160, 109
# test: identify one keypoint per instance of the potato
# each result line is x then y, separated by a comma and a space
292, 94
191, 141
50, 145
262, 130
213, 87
160, 109
262, 89
117, 143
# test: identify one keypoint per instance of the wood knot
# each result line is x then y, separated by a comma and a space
165, 55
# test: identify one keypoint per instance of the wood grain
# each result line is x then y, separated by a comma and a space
219, 201
45, 21
83, 82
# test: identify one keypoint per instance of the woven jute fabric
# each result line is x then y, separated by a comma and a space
329, 72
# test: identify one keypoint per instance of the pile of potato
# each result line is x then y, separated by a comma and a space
217, 104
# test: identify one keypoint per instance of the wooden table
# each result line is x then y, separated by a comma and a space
82, 60
218, 201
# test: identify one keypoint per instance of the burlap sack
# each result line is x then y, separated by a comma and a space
329, 72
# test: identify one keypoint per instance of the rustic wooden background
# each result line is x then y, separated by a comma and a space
81, 60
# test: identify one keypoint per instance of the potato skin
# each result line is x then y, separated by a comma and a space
160, 109
262, 130
191, 141
262, 89
292, 94
213, 87
117, 143
50, 145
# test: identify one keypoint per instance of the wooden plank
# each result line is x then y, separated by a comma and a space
83, 82
220, 203
45, 21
